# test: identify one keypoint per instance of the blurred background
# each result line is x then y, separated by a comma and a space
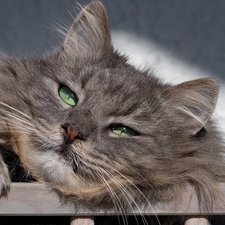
178, 39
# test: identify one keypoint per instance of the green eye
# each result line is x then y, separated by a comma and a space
68, 96
123, 131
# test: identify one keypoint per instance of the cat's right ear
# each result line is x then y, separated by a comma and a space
192, 103
90, 33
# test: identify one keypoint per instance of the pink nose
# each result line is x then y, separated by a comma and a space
70, 134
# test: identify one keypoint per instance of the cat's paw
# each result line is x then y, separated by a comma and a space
4, 180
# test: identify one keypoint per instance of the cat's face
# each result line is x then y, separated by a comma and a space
108, 99
95, 125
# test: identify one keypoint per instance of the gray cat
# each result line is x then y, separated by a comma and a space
99, 132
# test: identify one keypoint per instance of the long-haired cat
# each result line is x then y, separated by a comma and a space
99, 132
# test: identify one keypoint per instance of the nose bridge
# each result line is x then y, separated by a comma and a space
82, 121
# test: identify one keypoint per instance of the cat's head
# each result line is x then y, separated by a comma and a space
92, 126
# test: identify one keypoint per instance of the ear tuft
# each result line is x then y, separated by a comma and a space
192, 103
90, 33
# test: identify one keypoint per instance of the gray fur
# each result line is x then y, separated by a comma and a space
178, 145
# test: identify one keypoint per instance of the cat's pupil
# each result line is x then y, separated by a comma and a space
70, 96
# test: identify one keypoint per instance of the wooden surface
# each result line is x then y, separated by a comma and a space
192, 220
82, 220
35, 199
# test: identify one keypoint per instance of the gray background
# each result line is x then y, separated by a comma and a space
179, 39
193, 31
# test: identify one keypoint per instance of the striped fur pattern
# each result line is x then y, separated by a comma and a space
178, 145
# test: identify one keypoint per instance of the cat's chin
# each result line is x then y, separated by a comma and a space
69, 154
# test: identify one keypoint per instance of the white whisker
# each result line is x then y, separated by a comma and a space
124, 190
16, 131
19, 119
113, 197
144, 179
15, 123
7, 113
15, 110
139, 192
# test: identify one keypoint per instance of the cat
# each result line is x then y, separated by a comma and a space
99, 132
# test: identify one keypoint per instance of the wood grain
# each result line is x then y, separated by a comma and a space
35, 199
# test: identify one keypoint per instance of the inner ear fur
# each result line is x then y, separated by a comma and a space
192, 103
90, 32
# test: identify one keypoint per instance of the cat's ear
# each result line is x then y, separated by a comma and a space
192, 104
90, 33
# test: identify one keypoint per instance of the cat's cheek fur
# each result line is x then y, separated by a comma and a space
46, 166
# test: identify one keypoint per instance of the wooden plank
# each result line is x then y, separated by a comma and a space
193, 220
35, 199
82, 220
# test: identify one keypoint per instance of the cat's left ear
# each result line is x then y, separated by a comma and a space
90, 33
192, 103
